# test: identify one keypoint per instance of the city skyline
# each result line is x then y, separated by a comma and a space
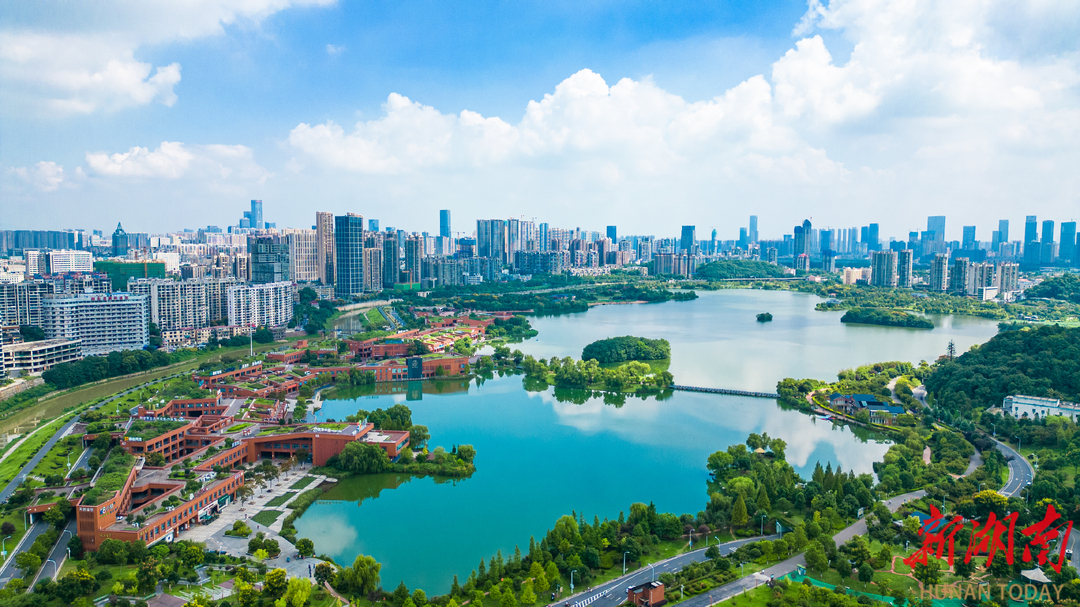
597, 117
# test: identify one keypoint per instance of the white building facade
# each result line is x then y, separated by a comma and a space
105, 322
269, 304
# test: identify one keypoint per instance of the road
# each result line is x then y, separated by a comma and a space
57, 555
1021, 473
21, 476
10, 571
82, 462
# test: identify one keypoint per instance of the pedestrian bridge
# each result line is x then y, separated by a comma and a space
727, 391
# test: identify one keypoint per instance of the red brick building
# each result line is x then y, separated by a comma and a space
649, 594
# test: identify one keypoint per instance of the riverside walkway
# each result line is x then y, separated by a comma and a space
727, 391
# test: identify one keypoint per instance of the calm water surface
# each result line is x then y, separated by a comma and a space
542, 455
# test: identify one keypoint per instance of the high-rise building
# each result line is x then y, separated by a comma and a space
935, 243
543, 238
414, 252
1003, 229
799, 242
20, 302
491, 239
688, 240
1007, 277
753, 229
391, 273
269, 259
1049, 247
874, 238
772, 255
1067, 247
802, 263
744, 238
444, 223
904, 276
174, 304
349, 255
104, 322
119, 241
373, 268
960, 276
324, 237
303, 254
373, 225
883, 269
939, 273
1031, 229
257, 215
262, 305
968, 244
613, 233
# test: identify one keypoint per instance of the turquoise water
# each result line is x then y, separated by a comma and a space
545, 453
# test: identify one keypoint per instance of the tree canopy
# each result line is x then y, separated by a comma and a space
724, 269
627, 347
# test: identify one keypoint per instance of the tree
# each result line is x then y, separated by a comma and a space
305, 547
325, 572
418, 438
528, 596
507, 599
31, 333
192, 555
147, 574
467, 453
739, 517
55, 517
928, 574
261, 555
276, 583
866, 573
262, 336
28, 562
112, 552
419, 597
815, 557
363, 458
799, 538
763, 503
964, 569
401, 593
297, 592
246, 594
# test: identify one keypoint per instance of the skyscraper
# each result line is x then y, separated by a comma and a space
414, 252
1067, 248
883, 265
257, 215
753, 229
1031, 229
373, 225
936, 226
613, 233
303, 254
269, 259
444, 223
324, 237
391, 262
1049, 247
939, 273
349, 255
688, 242
968, 244
119, 241
904, 278
874, 237
491, 239
1003, 229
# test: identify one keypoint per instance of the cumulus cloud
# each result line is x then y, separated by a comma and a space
92, 65
174, 160
333, 50
45, 176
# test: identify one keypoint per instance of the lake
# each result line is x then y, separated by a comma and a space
547, 452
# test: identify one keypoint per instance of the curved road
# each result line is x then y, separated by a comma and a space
1021, 472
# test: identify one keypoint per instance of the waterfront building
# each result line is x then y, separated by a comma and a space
36, 357
939, 273
1034, 407
324, 238
103, 322
261, 305
349, 255
904, 276
883, 271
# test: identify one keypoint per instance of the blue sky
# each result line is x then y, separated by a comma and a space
854, 111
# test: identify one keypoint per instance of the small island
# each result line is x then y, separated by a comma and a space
626, 348
886, 318
764, 317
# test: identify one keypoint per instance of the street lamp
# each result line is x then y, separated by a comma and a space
691, 539
763, 517
994, 428
1018, 440
652, 573
3, 547
572, 581
624, 562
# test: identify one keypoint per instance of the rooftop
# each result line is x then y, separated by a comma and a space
38, 345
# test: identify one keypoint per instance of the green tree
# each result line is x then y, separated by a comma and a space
467, 453
28, 562
419, 597
507, 599
418, 438
401, 593
866, 573
297, 592
528, 596
55, 517
739, 517
799, 539
305, 547
964, 569
815, 557
325, 572
192, 555
928, 574
276, 583
763, 503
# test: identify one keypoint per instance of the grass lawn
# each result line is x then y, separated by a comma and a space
15, 518
281, 499
117, 571
63, 452
21, 456
266, 517
303, 483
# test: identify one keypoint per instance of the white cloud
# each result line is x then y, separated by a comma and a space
90, 65
174, 160
43, 176
333, 50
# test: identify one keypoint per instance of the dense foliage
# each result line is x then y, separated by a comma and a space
764, 317
858, 296
1036, 361
887, 318
568, 373
735, 268
311, 313
513, 329
115, 364
1065, 287
627, 347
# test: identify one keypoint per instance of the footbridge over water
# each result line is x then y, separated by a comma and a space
772, 395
